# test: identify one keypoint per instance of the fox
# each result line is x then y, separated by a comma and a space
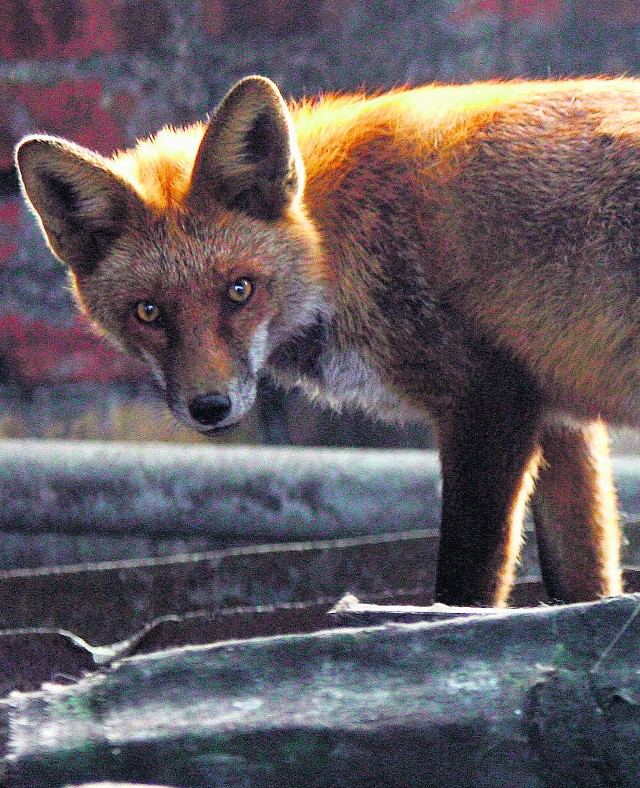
465, 255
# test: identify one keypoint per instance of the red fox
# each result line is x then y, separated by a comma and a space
467, 254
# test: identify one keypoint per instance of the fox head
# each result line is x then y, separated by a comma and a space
192, 250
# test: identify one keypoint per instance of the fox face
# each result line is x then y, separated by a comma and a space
201, 263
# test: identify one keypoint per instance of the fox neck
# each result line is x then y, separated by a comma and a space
337, 376
300, 357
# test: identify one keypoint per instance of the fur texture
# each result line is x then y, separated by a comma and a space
467, 254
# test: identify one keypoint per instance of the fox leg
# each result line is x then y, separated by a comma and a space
575, 514
488, 455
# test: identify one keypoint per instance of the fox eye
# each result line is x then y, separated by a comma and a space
240, 291
147, 312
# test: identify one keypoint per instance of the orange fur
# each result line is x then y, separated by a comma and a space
575, 511
467, 254
160, 168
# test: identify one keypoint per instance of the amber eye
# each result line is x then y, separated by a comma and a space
147, 312
240, 291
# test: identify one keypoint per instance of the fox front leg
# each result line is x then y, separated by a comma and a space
489, 455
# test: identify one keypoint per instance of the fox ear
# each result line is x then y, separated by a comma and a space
82, 206
249, 159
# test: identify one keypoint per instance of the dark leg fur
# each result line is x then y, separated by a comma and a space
489, 455
575, 513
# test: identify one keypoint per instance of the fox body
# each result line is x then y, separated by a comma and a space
468, 254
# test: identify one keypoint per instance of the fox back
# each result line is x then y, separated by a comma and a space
466, 254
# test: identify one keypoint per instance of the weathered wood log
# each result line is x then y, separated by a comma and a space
544, 697
350, 611
117, 785
33, 655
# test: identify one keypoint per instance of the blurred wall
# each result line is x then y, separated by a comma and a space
103, 72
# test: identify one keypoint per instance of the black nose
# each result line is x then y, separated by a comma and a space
210, 409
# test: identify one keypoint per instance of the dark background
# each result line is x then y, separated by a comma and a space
103, 72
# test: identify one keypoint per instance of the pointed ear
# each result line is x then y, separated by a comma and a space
82, 206
249, 159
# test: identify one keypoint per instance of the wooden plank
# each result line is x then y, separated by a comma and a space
106, 602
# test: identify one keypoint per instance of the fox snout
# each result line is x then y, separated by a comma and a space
210, 409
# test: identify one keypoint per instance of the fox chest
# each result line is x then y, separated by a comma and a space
339, 377
343, 379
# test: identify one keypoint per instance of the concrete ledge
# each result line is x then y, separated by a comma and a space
236, 494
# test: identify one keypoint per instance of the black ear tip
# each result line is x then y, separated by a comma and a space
30, 148
24, 148
33, 141
257, 81
259, 87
